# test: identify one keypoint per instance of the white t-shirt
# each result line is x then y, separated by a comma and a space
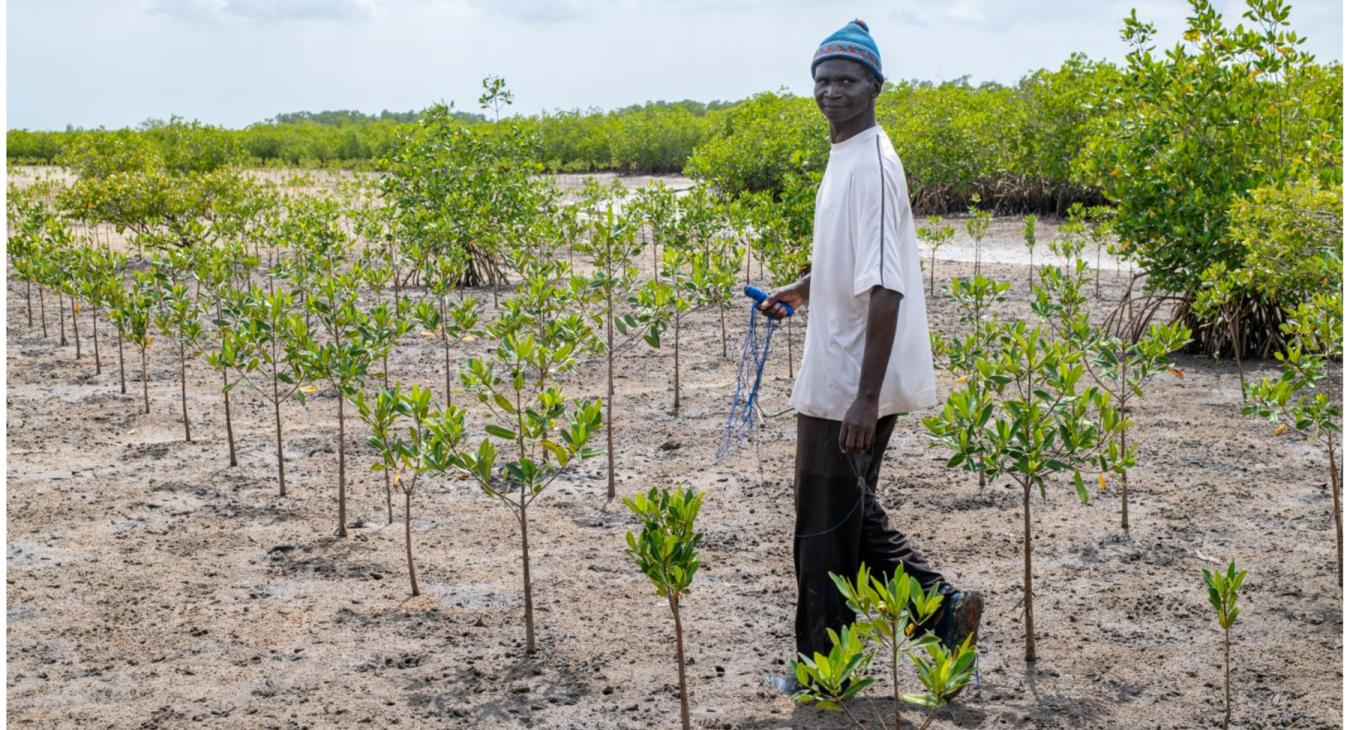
864, 237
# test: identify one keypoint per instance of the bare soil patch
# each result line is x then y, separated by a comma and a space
150, 585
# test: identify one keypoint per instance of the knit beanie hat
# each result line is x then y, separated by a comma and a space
854, 42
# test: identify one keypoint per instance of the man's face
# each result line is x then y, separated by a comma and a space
844, 89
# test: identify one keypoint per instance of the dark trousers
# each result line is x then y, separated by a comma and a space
836, 533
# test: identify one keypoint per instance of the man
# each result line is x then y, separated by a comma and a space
867, 355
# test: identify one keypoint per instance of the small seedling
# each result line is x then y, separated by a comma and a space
936, 235
1223, 596
666, 551
977, 226
942, 674
1029, 237
427, 445
831, 681
890, 611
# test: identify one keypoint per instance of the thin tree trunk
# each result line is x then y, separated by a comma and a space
1336, 505
932, 271
1227, 684
1124, 490
609, 388
388, 483
229, 424
677, 361
182, 388
28, 301
75, 324
121, 363
1026, 572
525, 565
145, 377
407, 539
42, 312
679, 658
446, 340
61, 315
342, 468
93, 325
895, 676
276, 413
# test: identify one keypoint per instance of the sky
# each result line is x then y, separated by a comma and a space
116, 63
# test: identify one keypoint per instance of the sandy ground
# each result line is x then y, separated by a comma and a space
151, 585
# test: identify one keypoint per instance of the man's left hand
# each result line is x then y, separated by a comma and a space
859, 426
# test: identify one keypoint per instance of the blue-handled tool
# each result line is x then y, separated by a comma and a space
754, 353
759, 295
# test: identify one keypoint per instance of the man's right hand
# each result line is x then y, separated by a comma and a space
793, 295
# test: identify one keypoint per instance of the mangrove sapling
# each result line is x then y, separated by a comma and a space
217, 269
890, 610
267, 335
133, 315
376, 274
179, 317
712, 278
1119, 367
610, 249
942, 674
936, 235
550, 302
108, 296
1099, 219
25, 244
386, 326
1029, 237
1298, 399
1023, 414
977, 226
666, 551
655, 205
89, 264
524, 414
958, 356
832, 680
1122, 369
655, 306
442, 275
59, 275
1223, 596
431, 437
712, 259
341, 359
676, 263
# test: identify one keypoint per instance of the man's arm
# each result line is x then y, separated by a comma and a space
794, 295
860, 421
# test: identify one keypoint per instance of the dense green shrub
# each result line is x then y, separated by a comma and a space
1189, 132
